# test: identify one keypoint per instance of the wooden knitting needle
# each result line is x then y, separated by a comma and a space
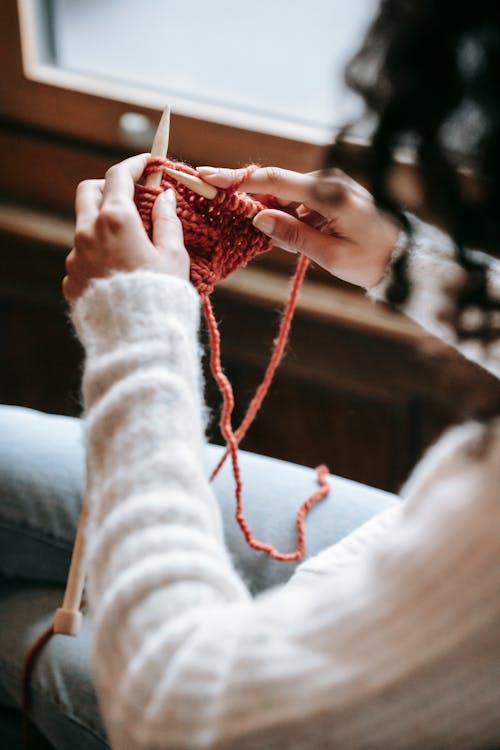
192, 182
68, 618
160, 149
160, 146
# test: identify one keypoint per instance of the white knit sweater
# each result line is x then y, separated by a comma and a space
390, 639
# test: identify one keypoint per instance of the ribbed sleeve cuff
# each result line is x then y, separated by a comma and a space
431, 265
379, 290
130, 307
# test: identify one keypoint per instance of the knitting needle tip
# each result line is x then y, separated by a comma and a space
192, 182
160, 146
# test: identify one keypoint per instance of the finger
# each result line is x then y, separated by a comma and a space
71, 291
289, 206
119, 185
220, 177
283, 184
334, 175
324, 188
70, 261
167, 228
318, 221
88, 199
293, 235
335, 188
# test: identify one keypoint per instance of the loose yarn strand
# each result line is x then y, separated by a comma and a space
220, 237
232, 440
28, 667
279, 347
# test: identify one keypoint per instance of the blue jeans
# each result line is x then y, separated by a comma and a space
41, 484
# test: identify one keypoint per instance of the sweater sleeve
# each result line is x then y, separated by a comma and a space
347, 551
434, 275
400, 650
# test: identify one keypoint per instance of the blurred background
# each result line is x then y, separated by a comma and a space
82, 85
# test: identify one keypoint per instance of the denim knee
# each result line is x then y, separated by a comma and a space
41, 487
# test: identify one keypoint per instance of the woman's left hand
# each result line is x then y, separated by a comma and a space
109, 234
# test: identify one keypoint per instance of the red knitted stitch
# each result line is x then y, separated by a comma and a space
218, 233
220, 237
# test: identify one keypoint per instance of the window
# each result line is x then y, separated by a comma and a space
261, 81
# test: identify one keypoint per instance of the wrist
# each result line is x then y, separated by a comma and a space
132, 307
378, 289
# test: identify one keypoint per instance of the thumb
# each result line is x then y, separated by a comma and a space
294, 235
167, 228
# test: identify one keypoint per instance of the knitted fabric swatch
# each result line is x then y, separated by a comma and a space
218, 233
220, 237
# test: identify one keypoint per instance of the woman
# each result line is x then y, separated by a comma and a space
388, 639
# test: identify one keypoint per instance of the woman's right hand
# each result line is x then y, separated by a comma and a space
335, 221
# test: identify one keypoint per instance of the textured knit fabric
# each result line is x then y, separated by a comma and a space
218, 233
390, 639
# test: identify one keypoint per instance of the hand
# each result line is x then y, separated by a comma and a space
336, 221
110, 236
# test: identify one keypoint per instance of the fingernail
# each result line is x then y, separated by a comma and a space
266, 224
169, 196
208, 170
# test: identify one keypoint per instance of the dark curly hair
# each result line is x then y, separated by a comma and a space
429, 71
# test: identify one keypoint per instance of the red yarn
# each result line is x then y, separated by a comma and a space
28, 667
220, 237
279, 346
